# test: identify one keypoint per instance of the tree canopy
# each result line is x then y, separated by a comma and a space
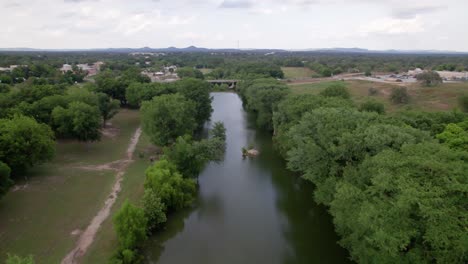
167, 117
25, 143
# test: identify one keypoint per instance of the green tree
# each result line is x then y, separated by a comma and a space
187, 72
455, 136
130, 225
336, 90
429, 78
199, 92
136, 93
25, 143
262, 97
167, 117
372, 106
218, 131
79, 120
154, 209
107, 106
405, 206
399, 95
169, 185
293, 107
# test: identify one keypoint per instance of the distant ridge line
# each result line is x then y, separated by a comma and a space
233, 50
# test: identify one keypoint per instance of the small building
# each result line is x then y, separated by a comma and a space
65, 68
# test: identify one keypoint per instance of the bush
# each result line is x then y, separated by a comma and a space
14, 259
168, 184
154, 209
399, 95
336, 90
429, 78
463, 103
219, 131
130, 224
372, 106
373, 91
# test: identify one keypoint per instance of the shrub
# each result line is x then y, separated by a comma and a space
130, 224
336, 90
372, 106
154, 209
174, 191
429, 78
373, 91
399, 95
14, 259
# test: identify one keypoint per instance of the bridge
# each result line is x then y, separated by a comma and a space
231, 83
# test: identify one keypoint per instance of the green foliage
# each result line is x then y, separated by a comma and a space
262, 97
167, 117
5, 181
327, 140
187, 72
168, 184
292, 108
25, 143
336, 90
199, 93
434, 122
218, 131
463, 103
136, 93
372, 106
399, 95
107, 106
79, 120
455, 136
130, 225
405, 206
154, 209
14, 259
429, 78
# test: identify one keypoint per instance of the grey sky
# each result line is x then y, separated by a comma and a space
288, 24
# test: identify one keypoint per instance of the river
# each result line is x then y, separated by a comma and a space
249, 210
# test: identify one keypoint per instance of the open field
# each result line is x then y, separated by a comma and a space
442, 97
297, 72
45, 215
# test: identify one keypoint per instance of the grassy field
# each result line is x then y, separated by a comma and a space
106, 242
443, 97
43, 215
297, 72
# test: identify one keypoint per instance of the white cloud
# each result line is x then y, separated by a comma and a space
393, 26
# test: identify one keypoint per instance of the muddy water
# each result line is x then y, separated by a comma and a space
249, 210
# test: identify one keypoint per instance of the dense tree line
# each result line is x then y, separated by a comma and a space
396, 185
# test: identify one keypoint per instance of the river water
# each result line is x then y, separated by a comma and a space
249, 210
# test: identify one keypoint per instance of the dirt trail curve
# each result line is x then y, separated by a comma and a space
87, 237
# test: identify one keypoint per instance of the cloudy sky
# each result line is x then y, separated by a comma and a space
287, 24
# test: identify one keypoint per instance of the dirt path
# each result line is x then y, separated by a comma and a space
87, 237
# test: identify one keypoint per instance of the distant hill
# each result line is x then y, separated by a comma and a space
193, 49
